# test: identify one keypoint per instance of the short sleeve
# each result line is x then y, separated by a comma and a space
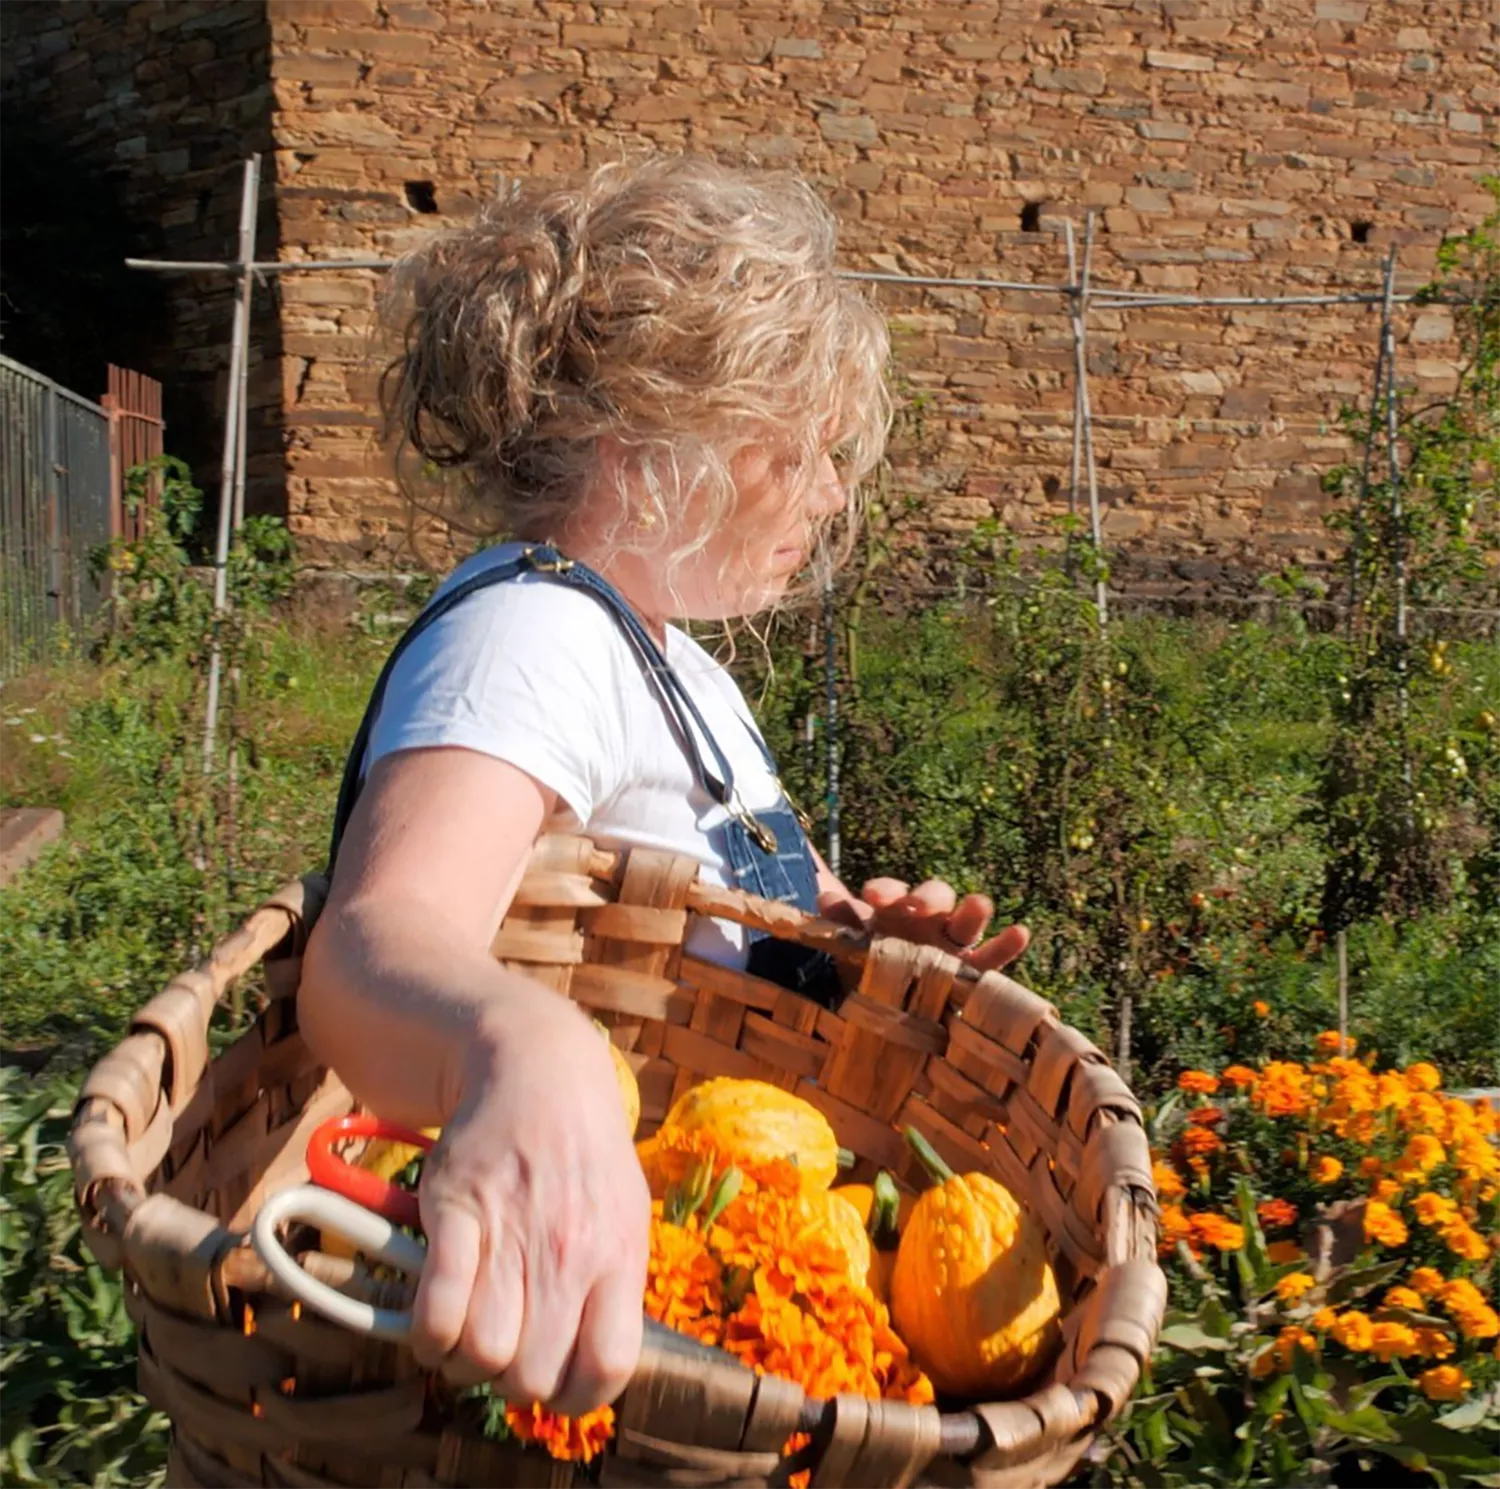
523, 672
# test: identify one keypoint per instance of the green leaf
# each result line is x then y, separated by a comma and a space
1355, 1284
1368, 1424
1191, 1338
1467, 1414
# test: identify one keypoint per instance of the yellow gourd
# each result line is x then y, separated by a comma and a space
845, 1227
754, 1123
972, 1293
630, 1093
883, 1211
386, 1158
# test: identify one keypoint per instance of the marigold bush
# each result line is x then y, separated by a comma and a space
1329, 1230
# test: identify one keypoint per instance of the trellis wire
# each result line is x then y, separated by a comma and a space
1078, 298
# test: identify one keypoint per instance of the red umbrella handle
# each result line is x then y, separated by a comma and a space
329, 1171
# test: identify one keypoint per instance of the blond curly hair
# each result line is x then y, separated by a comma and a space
685, 310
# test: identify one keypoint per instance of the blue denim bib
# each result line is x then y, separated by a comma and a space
769, 854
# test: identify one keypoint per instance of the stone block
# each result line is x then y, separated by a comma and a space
1178, 61
797, 46
851, 129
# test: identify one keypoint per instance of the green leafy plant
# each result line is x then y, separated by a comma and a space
71, 1413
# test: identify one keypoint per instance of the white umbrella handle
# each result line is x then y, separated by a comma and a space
370, 1233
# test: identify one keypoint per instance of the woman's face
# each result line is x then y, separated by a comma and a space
749, 560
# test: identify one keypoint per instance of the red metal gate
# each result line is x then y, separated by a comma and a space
133, 404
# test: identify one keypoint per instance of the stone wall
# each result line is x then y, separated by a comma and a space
151, 106
1227, 148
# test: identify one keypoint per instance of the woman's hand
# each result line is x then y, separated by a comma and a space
931, 915
537, 1218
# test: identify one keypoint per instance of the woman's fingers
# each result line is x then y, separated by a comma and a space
455, 1241
967, 922
999, 951
609, 1343
883, 893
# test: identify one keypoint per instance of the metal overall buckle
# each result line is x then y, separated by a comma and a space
763, 837
555, 564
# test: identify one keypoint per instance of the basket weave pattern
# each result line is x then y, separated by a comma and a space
174, 1153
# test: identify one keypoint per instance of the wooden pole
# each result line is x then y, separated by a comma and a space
238, 347
1342, 945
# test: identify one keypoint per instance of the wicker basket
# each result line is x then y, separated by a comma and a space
173, 1155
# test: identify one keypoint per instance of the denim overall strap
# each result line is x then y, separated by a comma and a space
681, 710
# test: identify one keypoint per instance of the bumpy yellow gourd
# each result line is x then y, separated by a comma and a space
845, 1227
753, 1123
972, 1293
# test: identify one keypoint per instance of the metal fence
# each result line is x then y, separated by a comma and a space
62, 469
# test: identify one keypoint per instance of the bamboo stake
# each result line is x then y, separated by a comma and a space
1357, 536
1075, 468
1086, 409
238, 350
1342, 943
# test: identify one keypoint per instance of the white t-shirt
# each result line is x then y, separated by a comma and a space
539, 674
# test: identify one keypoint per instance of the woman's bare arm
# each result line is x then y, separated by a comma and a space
534, 1204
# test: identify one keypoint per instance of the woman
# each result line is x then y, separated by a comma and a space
658, 368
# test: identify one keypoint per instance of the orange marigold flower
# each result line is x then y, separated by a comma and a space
1386, 1190
1464, 1241
1282, 1090
1262, 1008
1205, 1116
1433, 1209
1384, 1225
1198, 1142
1291, 1287
1369, 1166
1423, 1153
1423, 1077
1353, 1330
1433, 1343
1428, 1282
1279, 1253
1326, 1170
1392, 1341
1168, 1181
1444, 1383
1457, 1294
1403, 1297
1199, 1082
1329, 1042
578, 1438
1392, 1092
1477, 1323
1276, 1212
1238, 1075
1174, 1226
1217, 1231
1324, 1319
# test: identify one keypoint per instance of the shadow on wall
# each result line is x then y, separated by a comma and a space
68, 304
